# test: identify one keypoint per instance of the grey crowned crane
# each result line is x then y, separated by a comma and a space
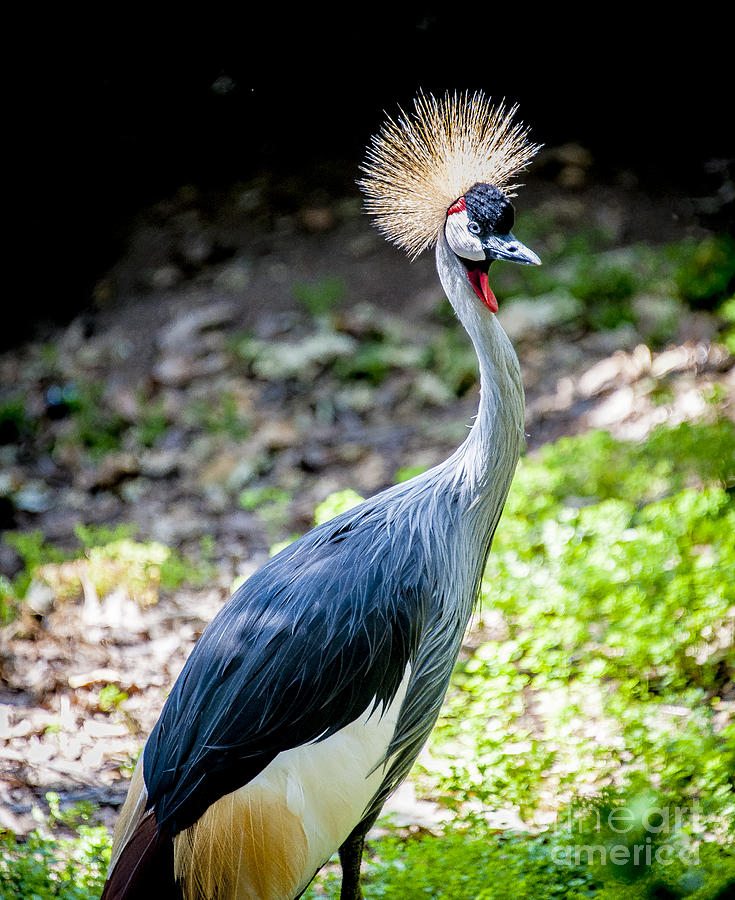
308, 697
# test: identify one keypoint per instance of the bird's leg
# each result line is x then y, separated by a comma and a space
350, 856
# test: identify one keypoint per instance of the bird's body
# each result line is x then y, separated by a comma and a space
308, 697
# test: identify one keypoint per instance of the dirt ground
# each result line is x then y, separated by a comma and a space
199, 271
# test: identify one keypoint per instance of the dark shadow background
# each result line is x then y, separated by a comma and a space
120, 111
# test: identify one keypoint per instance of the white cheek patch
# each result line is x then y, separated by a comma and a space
459, 238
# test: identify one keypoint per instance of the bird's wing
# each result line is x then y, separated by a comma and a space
319, 635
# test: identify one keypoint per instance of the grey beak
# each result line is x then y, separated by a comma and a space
506, 246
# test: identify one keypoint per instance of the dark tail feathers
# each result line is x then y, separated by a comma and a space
145, 868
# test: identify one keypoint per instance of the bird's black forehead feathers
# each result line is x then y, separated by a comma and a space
490, 208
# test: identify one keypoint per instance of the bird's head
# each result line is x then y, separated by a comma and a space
449, 168
479, 230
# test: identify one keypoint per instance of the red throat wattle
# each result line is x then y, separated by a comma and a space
478, 279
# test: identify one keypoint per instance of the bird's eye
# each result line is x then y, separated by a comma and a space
473, 227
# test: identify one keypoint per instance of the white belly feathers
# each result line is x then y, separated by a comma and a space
266, 840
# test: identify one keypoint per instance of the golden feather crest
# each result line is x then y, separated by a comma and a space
417, 166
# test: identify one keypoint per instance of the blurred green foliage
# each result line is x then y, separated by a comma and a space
96, 427
271, 503
50, 864
407, 472
727, 312
336, 503
110, 558
111, 697
16, 423
320, 297
471, 861
152, 421
587, 283
705, 271
612, 582
220, 414
35, 552
606, 279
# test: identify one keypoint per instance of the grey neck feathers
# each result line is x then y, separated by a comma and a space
483, 466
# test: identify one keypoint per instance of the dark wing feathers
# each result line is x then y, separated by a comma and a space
319, 634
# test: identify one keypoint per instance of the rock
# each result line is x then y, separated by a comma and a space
241, 522
573, 154
430, 389
39, 597
299, 359
10, 560
114, 468
164, 278
117, 611
34, 496
182, 522
370, 474
615, 408
218, 469
180, 370
97, 676
245, 470
603, 375
234, 277
173, 371
656, 316
524, 318
160, 463
317, 218
278, 434
186, 328
364, 245
697, 326
125, 403
135, 490
316, 458
351, 452
195, 249
273, 324
572, 162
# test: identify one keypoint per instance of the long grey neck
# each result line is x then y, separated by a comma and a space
484, 464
